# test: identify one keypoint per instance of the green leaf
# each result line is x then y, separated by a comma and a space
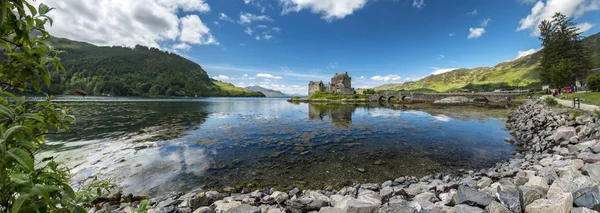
19, 178
18, 203
22, 157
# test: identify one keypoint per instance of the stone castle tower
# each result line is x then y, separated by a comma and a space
341, 84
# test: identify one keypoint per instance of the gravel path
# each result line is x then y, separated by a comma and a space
569, 103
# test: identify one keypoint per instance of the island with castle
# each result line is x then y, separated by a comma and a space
341, 84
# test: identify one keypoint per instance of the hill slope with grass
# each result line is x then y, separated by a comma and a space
520, 73
138, 71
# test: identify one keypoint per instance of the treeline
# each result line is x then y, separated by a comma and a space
138, 71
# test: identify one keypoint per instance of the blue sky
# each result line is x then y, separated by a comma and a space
284, 44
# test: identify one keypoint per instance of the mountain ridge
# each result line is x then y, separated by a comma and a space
519, 73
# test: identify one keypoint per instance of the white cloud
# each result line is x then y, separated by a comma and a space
329, 9
249, 31
224, 17
132, 22
472, 13
544, 11
391, 77
475, 32
526, 53
584, 27
438, 70
222, 78
451, 34
486, 22
182, 46
267, 76
195, 32
418, 3
247, 18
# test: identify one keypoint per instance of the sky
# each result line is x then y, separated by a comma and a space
284, 44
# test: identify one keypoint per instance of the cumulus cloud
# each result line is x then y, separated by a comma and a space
182, 46
475, 32
247, 18
391, 77
584, 27
438, 70
329, 9
222, 78
418, 3
267, 76
526, 53
132, 22
544, 11
195, 32
472, 13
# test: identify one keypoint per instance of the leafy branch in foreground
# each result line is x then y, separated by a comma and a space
28, 184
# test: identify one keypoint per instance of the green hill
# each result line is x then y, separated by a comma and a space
520, 73
138, 71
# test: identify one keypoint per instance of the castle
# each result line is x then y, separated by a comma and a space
341, 83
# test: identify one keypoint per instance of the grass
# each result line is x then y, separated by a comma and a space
590, 97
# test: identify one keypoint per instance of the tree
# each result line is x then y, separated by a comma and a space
561, 73
593, 82
28, 184
561, 39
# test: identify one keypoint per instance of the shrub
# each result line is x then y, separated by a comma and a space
550, 101
593, 82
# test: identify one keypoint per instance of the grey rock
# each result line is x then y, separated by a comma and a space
467, 209
563, 133
510, 197
473, 197
593, 171
496, 207
588, 197
531, 193
583, 210
561, 203
244, 208
204, 209
370, 186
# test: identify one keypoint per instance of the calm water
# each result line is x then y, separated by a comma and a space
152, 147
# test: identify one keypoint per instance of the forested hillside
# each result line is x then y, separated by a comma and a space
520, 73
138, 71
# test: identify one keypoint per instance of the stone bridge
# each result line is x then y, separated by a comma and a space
388, 96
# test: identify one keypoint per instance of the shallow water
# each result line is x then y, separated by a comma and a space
155, 146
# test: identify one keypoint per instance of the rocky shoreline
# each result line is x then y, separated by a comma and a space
557, 169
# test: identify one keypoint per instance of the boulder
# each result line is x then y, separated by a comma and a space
470, 196
353, 205
593, 171
564, 133
588, 197
467, 209
496, 207
510, 198
243, 208
531, 193
560, 204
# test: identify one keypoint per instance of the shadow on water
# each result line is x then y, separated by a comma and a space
156, 147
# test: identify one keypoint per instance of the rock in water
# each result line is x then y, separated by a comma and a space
473, 197
588, 197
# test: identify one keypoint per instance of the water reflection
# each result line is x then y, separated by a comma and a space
339, 114
156, 147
